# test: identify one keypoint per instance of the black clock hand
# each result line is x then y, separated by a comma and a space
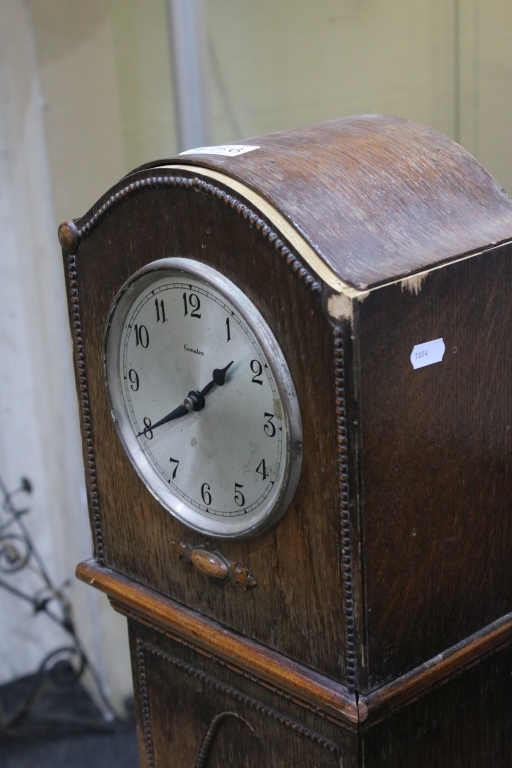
194, 401
218, 378
179, 411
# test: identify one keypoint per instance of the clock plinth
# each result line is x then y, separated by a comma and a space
369, 617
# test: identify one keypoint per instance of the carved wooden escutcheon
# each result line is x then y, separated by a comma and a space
214, 565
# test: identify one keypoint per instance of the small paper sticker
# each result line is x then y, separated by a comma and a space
428, 353
228, 150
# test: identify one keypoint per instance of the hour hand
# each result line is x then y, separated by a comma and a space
218, 378
179, 411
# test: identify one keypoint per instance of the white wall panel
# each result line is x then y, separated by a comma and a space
39, 434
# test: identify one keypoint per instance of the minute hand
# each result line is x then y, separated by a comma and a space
179, 411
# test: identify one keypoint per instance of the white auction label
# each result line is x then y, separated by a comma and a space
428, 353
228, 150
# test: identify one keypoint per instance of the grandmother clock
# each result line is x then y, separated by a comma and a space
293, 360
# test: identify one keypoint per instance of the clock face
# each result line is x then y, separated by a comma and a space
202, 399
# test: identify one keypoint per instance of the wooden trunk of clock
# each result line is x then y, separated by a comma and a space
197, 712
377, 630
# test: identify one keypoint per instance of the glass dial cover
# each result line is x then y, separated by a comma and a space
202, 398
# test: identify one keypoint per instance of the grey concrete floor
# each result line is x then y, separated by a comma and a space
64, 730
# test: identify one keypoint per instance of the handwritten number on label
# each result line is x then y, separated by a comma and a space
428, 353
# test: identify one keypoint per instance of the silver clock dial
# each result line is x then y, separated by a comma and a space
203, 399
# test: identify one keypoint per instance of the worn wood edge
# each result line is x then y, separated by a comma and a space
413, 282
292, 234
304, 686
431, 140
339, 300
197, 184
269, 668
339, 304
380, 703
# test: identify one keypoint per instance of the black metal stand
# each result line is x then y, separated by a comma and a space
64, 666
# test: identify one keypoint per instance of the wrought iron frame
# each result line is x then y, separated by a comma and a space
65, 665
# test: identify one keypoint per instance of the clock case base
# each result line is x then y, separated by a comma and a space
201, 714
205, 703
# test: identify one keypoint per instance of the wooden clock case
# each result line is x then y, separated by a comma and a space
377, 632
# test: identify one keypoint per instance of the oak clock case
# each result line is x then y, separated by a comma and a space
371, 624
225, 458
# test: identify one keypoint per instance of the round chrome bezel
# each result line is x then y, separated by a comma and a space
280, 498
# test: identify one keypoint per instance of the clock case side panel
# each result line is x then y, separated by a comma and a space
464, 723
436, 462
202, 712
297, 564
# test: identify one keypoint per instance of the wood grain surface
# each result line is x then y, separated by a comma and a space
197, 712
273, 669
379, 704
334, 701
463, 724
296, 564
181, 695
436, 462
377, 197
390, 572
